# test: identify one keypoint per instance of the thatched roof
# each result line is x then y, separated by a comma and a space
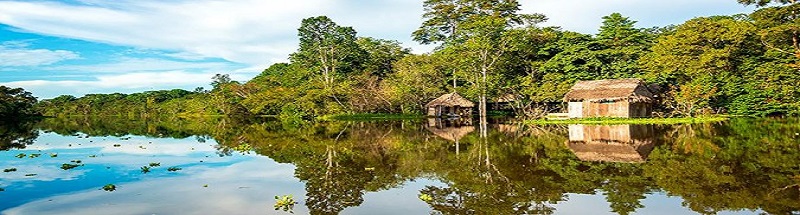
611, 151
452, 133
609, 90
450, 100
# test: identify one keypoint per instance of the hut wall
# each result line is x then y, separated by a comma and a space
575, 110
640, 109
606, 109
432, 111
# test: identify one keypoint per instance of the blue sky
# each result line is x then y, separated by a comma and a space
98, 46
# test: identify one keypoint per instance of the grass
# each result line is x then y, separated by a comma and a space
369, 116
614, 121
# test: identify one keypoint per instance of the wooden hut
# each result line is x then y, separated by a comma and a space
611, 143
450, 105
623, 98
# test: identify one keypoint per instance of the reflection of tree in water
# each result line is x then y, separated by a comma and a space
17, 135
738, 165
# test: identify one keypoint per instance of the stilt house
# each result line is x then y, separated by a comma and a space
622, 98
450, 105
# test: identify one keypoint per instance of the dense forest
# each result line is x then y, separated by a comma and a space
743, 64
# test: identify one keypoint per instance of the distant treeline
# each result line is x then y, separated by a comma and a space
742, 64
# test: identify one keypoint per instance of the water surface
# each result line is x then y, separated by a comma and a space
743, 166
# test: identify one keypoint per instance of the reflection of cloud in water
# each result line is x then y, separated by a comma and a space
247, 187
134, 145
44, 172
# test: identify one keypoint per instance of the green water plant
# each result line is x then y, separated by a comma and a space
285, 203
110, 187
425, 197
68, 166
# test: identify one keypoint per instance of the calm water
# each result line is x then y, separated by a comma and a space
744, 166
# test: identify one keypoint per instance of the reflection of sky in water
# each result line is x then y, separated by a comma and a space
238, 184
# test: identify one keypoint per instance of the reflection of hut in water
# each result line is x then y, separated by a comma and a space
450, 104
624, 98
612, 143
452, 130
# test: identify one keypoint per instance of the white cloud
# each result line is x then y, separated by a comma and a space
16, 53
245, 31
128, 64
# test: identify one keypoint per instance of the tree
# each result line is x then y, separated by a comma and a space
443, 19
328, 48
703, 62
763, 3
779, 30
16, 103
381, 54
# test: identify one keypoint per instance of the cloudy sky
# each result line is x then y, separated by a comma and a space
97, 46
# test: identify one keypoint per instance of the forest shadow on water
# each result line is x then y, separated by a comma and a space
224, 165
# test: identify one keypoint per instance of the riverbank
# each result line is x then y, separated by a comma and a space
369, 116
613, 121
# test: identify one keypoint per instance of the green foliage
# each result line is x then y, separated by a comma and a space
285, 203
145, 169
16, 103
68, 166
110, 187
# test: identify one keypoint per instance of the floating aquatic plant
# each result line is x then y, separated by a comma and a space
425, 197
145, 169
10, 170
68, 166
110, 187
173, 169
285, 203
155, 164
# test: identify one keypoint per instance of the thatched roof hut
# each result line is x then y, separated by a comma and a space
609, 98
451, 104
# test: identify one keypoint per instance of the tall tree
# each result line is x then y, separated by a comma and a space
328, 48
443, 18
